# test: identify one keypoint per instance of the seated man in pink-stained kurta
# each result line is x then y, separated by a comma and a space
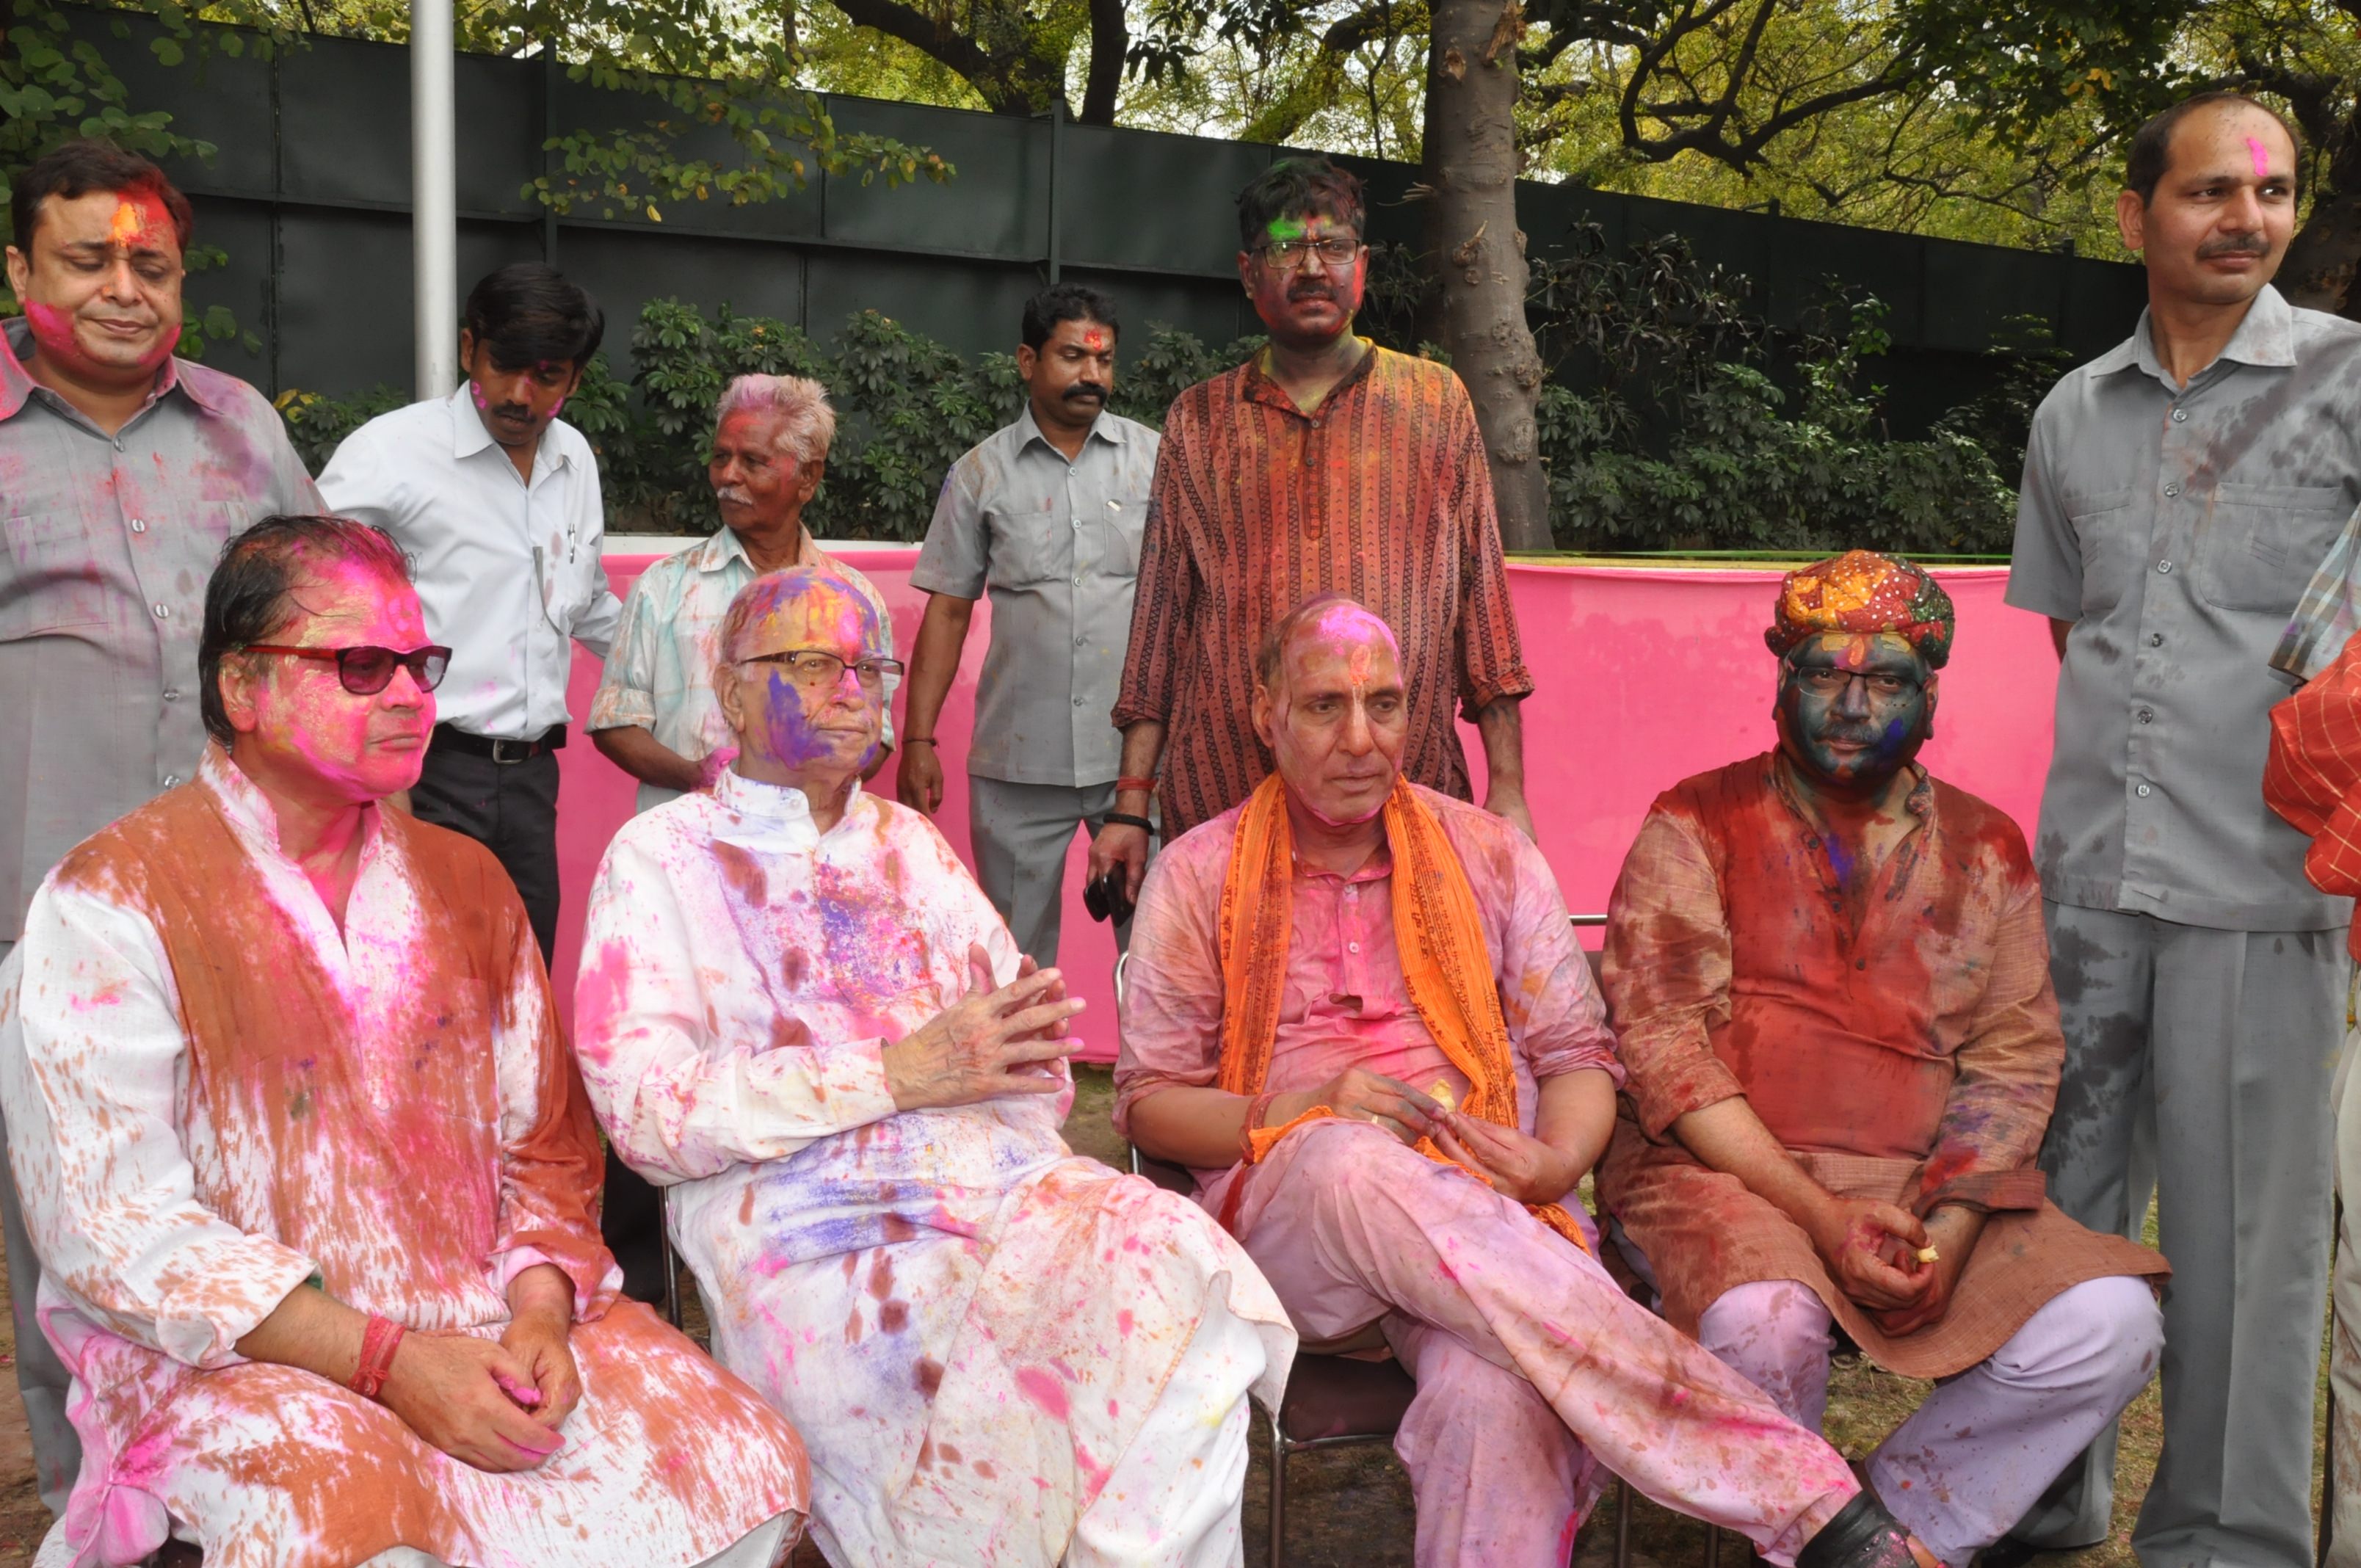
799, 1014
1355, 1008
311, 1177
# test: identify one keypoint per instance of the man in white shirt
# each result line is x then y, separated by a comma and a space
496, 501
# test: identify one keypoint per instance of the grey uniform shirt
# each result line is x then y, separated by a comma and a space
110, 542
1058, 543
2177, 529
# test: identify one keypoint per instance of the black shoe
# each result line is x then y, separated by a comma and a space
1863, 1535
2010, 1553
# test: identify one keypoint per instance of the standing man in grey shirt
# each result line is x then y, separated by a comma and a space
2178, 490
1047, 513
123, 471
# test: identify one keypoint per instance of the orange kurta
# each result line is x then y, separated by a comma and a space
212, 1095
1902, 1043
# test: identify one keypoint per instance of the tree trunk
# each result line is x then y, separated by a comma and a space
2318, 272
1110, 41
1477, 251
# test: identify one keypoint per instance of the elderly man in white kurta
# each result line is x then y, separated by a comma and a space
798, 1012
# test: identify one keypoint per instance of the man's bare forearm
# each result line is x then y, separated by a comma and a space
1576, 1116
934, 660
639, 753
1143, 748
311, 1329
1501, 724
1731, 1138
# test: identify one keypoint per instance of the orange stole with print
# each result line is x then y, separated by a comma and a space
1436, 932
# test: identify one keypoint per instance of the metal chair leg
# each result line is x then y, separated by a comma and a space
1622, 1523
1712, 1546
1278, 1495
672, 1271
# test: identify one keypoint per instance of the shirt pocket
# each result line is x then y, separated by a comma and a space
2263, 542
55, 585
1029, 547
2112, 552
1126, 522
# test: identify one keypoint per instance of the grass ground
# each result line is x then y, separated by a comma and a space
1349, 1508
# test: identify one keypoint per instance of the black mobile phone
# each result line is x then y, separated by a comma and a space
1109, 897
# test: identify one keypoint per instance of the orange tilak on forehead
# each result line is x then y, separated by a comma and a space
1095, 340
1853, 650
138, 220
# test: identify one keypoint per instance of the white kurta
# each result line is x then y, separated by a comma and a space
974, 1330
212, 1095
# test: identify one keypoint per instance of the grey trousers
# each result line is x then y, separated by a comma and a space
2198, 1068
1019, 833
41, 1377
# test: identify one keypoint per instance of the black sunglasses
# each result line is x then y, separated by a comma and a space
368, 670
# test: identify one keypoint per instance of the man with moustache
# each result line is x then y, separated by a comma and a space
1323, 464
655, 717
798, 1013
300, 1140
1046, 513
2179, 492
1831, 993
496, 499
1358, 1014
123, 471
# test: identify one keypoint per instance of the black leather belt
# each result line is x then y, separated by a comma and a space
505, 753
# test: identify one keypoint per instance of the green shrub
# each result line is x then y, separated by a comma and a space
1674, 418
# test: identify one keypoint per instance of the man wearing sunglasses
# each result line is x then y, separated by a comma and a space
125, 470
1831, 987
800, 1013
1325, 464
309, 1163
496, 500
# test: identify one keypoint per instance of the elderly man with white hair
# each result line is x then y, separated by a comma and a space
800, 1014
654, 716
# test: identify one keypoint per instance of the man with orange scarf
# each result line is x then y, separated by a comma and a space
1356, 1009
1832, 989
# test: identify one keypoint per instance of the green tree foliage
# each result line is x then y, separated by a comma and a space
1682, 423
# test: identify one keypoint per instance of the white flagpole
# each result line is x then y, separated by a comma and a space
435, 212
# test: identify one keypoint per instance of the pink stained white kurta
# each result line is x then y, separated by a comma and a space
213, 1095
1530, 1362
976, 1333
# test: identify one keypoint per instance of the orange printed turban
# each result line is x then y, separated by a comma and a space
1862, 592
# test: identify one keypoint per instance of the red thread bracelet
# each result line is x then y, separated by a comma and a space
1146, 786
378, 1341
1255, 1112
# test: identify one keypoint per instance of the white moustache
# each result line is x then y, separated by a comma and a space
734, 493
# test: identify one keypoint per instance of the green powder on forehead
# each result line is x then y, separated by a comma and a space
1286, 228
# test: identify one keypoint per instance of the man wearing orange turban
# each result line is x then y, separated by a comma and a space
1831, 987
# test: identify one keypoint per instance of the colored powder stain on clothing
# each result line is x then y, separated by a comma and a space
1043, 1390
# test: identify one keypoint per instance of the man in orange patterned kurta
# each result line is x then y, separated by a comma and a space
1325, 464
1832, 991
312, 1179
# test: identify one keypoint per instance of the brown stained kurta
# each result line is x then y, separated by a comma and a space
405, 1121
1902, 1043
1382, 492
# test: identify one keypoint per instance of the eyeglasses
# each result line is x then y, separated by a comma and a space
813, 670
1822, 680
1287, 255
366, 671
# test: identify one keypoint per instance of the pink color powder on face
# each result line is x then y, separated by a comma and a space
2262, 159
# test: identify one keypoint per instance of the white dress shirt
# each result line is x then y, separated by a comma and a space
508, 573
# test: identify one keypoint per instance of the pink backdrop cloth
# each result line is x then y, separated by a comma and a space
1645, 675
